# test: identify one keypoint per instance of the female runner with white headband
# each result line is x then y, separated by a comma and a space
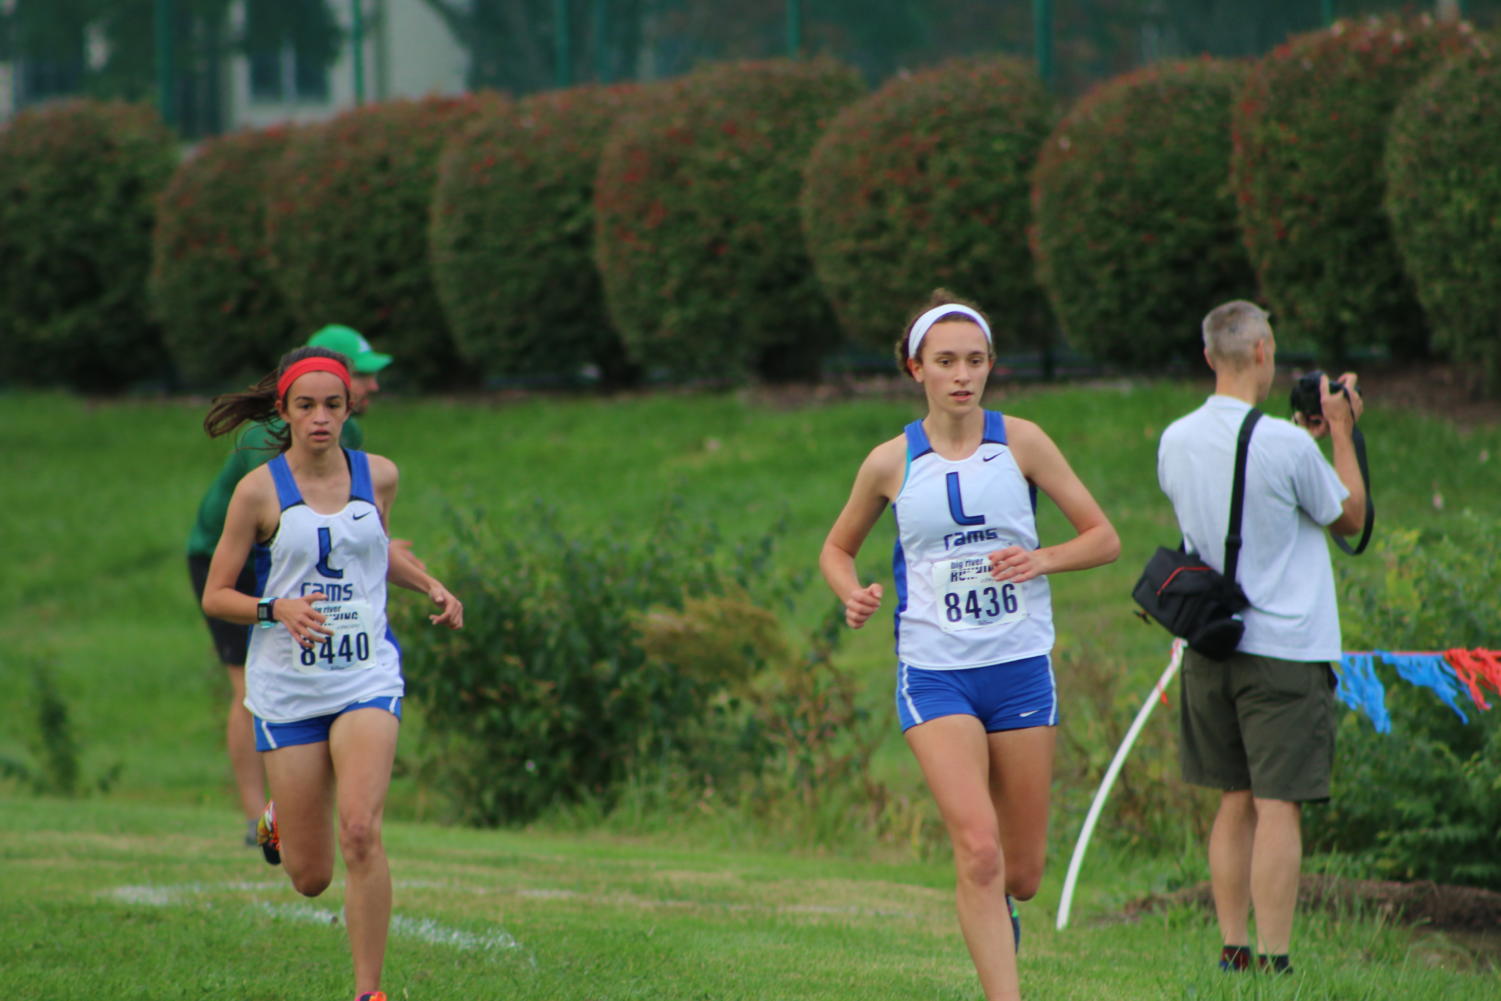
975, 691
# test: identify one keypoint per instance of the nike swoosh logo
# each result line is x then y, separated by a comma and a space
359, 516
1030, 712
987, 458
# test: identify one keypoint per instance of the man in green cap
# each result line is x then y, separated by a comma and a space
255, 446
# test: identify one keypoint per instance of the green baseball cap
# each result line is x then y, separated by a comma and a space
351, 344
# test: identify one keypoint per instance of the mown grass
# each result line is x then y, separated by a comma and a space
98, 498
134, 901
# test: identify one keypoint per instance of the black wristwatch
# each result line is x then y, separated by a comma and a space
263, 612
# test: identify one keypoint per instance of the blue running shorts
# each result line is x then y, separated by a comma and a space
1011, 696
270, 736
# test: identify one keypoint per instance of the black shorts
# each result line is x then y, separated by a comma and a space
231, 642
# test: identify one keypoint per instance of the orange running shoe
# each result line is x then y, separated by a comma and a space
270, 841
372, 996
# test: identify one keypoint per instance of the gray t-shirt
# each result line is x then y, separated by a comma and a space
1291, 493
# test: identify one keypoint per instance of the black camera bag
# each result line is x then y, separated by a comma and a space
1189, 597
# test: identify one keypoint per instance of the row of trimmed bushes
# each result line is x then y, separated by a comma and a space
746, 218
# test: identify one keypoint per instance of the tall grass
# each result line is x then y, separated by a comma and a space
99, 496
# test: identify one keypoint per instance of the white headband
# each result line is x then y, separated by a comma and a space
932, 316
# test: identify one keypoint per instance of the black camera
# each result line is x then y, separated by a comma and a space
1305, 397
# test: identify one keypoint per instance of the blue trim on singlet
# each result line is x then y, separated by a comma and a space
899, 577
287, 494
995, 432
260, 557
360, 487
918, 444
917, 441
995, 428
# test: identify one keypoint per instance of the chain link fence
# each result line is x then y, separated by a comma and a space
216, 65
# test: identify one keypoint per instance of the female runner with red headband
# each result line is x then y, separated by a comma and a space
323, 674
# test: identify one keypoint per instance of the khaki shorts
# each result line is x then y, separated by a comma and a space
1258, 723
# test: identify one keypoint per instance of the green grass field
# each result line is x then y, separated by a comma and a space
144, 893
134, 901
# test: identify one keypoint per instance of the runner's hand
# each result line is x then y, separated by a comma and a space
1015, 564
861, 605
302, 620
451, 609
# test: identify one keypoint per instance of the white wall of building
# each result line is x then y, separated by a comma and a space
408, 52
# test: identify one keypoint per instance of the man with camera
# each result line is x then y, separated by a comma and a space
1259, 726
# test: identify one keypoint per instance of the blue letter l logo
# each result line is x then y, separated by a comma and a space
956, 504
326, 546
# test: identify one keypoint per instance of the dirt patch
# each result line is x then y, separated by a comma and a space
1433, 905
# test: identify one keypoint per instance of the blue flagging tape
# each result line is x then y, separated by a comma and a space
1430, 671
1360, 689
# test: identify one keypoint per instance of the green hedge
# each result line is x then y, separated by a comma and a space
697, 235
78, 183
1444, 201
512, 236
1421, 801
347, 226
1135, 231
567, 681
924, 184
1310, 129
222, 317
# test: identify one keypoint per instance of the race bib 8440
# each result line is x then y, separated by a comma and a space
349, 646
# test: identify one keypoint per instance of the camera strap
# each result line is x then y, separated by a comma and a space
1238, 493
1358, 440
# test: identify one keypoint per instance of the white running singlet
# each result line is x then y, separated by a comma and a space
344, 556
951, 614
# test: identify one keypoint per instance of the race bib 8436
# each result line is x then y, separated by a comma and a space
968, 597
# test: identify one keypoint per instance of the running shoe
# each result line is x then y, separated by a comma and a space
372, 996
1016, 921
1235, 958
267, 836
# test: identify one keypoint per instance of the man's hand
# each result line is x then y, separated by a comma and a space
1342, 407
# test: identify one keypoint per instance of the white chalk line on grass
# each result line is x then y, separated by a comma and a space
422, 929
430, 931
632, 900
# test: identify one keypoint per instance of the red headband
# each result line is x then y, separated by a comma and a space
315, 364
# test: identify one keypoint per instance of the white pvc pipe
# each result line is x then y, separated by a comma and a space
1110, 773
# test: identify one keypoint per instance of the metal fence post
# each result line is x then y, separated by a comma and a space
166, 78
357, 38
1042, 39
562, 48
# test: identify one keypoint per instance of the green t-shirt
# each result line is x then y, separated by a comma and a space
253, 446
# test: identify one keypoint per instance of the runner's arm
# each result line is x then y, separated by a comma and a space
248, 519
402, 568
1095, 542
869, 496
